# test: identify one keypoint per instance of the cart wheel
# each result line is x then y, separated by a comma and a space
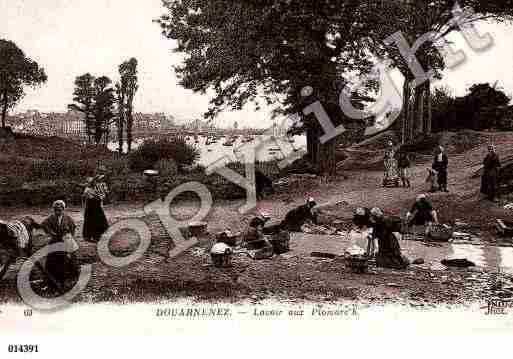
5, 262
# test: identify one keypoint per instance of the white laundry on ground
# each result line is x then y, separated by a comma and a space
360, 238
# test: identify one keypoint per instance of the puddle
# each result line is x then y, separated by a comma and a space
488, 257
506, 262
473, 253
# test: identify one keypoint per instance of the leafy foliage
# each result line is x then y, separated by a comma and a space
16, 72
94, 97
56, 169
265, 50
125, 90
166, 167
151, 151
413, 19
484, 107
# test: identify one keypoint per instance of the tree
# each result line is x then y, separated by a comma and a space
95, 99
443, 104
83, 96
120, 118
16, 72
415, 18
103, 109
254, 51
483, 107
126, 89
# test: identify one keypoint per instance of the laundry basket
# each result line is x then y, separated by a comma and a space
358, 263
440, 232
280, 242
221, 260
221, 255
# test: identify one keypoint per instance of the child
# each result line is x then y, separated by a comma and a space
431, 180
403, 164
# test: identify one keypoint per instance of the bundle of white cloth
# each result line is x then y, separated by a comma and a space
70, 243
220, 248
360, 238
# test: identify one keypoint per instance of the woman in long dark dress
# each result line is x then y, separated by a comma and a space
489, 180
95, 221
389, 251
440, 165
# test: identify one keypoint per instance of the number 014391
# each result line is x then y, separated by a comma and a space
15, 348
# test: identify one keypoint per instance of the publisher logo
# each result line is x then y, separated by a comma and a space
498, 306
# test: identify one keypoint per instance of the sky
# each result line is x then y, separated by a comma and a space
71, 37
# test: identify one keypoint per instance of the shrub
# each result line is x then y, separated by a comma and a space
14, 166
166, 168
117, 166
300, 166
43, 193
57, 169
465, 140
151, 151
424, 145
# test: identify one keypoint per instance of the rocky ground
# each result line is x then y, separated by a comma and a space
296, 276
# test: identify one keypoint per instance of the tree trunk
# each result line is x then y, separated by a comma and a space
98, 133
129, 125
321, 155
405, 112
120, 133
106, 137
417, 120
121, 120
429, 121
5, 105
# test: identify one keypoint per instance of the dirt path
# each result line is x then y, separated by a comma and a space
296, 275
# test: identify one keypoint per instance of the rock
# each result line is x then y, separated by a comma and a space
198, 228
394, 285
323, 255
418, 261
458, 262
